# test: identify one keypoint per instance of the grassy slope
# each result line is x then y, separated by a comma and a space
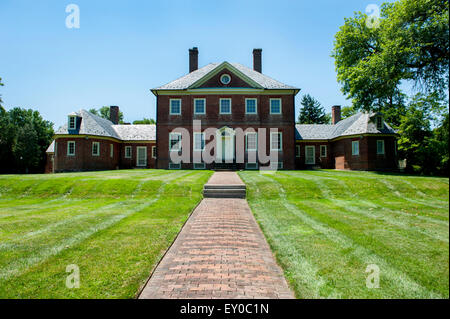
325, 227
114, 225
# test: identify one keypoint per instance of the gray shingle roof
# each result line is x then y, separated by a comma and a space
92, 124
188, 80
51, 148
360, 123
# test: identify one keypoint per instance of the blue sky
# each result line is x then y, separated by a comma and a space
124, 48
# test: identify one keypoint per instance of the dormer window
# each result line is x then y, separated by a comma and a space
379, 123
72, 122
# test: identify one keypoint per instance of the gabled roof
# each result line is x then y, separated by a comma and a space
51, 148
360, 123
256, 79
92, 124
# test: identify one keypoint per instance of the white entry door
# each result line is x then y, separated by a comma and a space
310, 158
225, 146
141, 159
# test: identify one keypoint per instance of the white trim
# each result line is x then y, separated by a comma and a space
355, 143
137, 155
98, 148
154, 154
246, 141
74, 122
204, 106
383, 150
313, 157
326, 151
297, 151
111, 150
179, 143
170, 107
280, 142
270, 106
256, 105
222, 76
228, 90
199, 166
68, 148
131, 151
220, 106
203, 139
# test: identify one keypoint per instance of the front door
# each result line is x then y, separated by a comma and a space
141, 159
225, 146
310, 158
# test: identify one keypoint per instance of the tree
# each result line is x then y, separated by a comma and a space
411, 43
145, 121
104, 113
1, 84
348, 111
26, 148
312, 112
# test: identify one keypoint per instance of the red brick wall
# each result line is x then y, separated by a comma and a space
49, 163
238, 118
236, 82
322, 162
132, 162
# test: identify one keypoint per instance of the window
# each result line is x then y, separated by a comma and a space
297, 150
310, 155
225, 106
174, 165
72, 122
252, 141
251, 106
380, 147
128, 152
323, 151
174, 141
276, 141
225, 79
199, 106
199, 166
141, 156
251, 165
95, 149
71, 148
275, 106
355, 147
175, 107
153, 151
199, 141
379, 123
111, 150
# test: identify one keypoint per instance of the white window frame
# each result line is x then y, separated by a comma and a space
203, 139
270, 106
246, 141
74, 127
220, 106
68, 148
280, 142
170, 107
354, 153
326, 150
154, 154
222, 76
204, 107
126, 152
297, 151
137, 156
111, 150
383, 149
256, 105
306, 154
170, 142
98, 148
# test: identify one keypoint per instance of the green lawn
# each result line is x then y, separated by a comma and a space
113, 225
326, 227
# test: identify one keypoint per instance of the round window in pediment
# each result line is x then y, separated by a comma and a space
225, 79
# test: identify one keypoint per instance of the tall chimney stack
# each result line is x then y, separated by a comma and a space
114, 114
257, 63
335, 114
193, 59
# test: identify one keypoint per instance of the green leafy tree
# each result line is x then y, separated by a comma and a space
1, 84
145, 121
411, 43
26, 148
312, 111
348, 111
104, 113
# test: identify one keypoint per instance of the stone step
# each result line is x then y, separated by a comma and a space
234, 186
224, 193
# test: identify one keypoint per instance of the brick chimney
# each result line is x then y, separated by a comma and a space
257, 60
335, 114
193, 59
114, 114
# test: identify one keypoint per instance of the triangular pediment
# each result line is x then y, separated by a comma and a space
213, 79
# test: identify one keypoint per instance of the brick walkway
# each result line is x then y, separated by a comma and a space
220, 253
